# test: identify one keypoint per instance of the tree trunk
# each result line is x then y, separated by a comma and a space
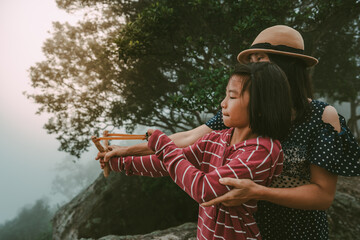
352, 122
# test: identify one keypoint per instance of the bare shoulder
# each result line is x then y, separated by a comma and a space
330, 115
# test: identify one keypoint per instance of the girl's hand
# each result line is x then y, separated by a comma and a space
105, 156
102, 164
245, 190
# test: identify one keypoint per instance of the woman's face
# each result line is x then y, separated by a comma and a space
235, 106
259, 57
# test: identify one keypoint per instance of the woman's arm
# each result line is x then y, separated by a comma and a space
187, 138
181, 139
315, 196
318, 195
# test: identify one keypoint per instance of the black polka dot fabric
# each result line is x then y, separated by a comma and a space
309, 142
281, 223
216, 123
315, 142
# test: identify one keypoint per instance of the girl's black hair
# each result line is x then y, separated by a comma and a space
299, 80
270, 102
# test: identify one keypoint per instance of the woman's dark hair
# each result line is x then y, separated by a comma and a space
299, 81
270, 102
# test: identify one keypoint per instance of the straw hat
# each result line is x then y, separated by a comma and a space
279, 39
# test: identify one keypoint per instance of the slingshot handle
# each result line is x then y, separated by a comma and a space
101, 149
106, 145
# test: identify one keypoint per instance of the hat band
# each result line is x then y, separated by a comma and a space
282, 48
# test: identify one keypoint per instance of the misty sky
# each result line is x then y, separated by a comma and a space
28, 154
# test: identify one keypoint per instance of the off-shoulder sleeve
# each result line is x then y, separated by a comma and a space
216, 122
339, 153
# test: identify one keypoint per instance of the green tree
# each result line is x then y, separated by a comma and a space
165, 63
31, 223
331, 31
75, 84
339, 78
165, 51
176, 56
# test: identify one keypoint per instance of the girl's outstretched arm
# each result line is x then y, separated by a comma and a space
181, 139
148, 165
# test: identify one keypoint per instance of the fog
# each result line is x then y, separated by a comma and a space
29, 158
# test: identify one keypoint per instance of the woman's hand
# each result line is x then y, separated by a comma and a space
245, 190
149, 133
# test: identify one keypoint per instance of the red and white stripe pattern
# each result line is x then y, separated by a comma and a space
198, 168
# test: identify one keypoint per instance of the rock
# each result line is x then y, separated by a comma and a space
122, 207
344, 214
186, 231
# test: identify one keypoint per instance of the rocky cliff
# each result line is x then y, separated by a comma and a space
186, 231
121, 207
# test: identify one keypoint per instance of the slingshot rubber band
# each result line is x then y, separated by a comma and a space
122, 134
140, 137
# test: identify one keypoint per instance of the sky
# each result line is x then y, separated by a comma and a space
29, 156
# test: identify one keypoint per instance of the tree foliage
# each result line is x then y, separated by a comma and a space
173, 47
165, 63
339, 78
76, 82
31, 223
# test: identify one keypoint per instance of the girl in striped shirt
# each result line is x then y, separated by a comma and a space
257, 110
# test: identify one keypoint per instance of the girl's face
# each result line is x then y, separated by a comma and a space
259, 57
235, 106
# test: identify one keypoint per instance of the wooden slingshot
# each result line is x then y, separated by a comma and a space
113, 136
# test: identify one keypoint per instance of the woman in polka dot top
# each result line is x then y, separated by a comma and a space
318, 148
